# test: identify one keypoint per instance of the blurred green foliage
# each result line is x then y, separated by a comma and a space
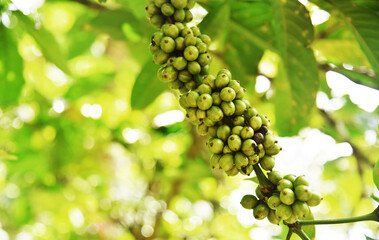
82, 155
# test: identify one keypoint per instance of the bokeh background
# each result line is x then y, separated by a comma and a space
93, 146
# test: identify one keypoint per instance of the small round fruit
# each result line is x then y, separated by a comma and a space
167, 9
204, 102
226, 162
191, 53
268, 141
248, 147
223, 132
274, 201
261, 211
204, 88
204, 59
180, 63
234, 142
240, 107
232, 172
179, 43
160, 57
222, 80
274, 177
240, 160
167, 74
283, 212
300, 209
258, 137
274, 149
284, 183
228, 108
291, 177
215, 114
249, 201
247, 132
237, 130
227, 94
214, 160
272, 218
172, 31
216, 145
179, 3
303, 193
256, 122
315, 199
267, 162
194, 67
179, 15
287, 196
192, 97
253, 159
300, 180
202, 129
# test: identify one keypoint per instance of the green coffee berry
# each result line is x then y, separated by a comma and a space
287, 196
240, 107
248, 146
159, 3
215, 113
284, 183
222, 80
179, 15
248, 169
204, 59
292, 219
191, 53
272, 218
234, 142
240, 160
228, 108
183, 89
202, 47
204, 88
237, 130
208, 122
189, 40
300, 180
226, 150
274, 177
186, 31
265, 121
153, 48
179, 3
300, 209
247, 132
201, 114
216, 145
191, 114
167, 9
223, 132
194, 68
261, 151
167, 44
180, 63
212, 130
268, 141
192, 97
184, 76
190, 4
216, 99
189, 16
314, 200
202, 129
227, 94
226, 162
251, 112
253, 159
191, 85
196, 31
179, 43
261, 211
170, 61
176, 84
214, 160
204, 102
241, 93
290, 177
167, 74
209, 80
274, 149
157, 20
225, 71
239, 121
180, 26
258, 192
172, 31
151, 9
267, 162
205, 38
160, 57
283, 212
274, 201
232, 172
249, 201
157, 38
303, 193
255, 122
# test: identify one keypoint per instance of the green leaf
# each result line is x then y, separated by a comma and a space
297, 82
253, 179
375, 174
87, 85
364, 24
358, 77
310, 230
368, 238
216, 20
46, 41
146, 87
375, 198
11, 78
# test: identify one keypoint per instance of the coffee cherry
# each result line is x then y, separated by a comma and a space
234, 142
172, 31
190, 4
211, 130
227, 94
268, 141
240, 107
216, 145
153, 48
186, 31
267, 162
290, 177
237, 130
179, 43
157, 37
249, 201
167, 44
180, 26
300, 180
283, 212
255, 122
151, 9
273, 150
239, 121
180, 63
284, 183
204, 102
179, 15
287, 196
188, 17
208, 122
215, 113
191, 53
303, 193
179, 3
191, 85
240, 160
274, 177
265, 121
261, 211
159, 3
189, 40
247, 132
315, 199
167, 9
209, 80
222, 80
300, 209
196, 31
160, 57
228, 108
253, 159
274, 201
194, 67
261, 151
251, 112
248, 169
223, 132
201, 114
202, 129
226, 150
232, 172
192, 97
205, 38
217, 99
167, 74
292, 219
241, 93
214, 160
175, 85
226, 162
272, 218
202, 47
157, 20
204, 88
248, 147
258, 137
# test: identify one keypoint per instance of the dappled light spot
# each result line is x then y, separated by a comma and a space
76, 217
131, 135
168, 118
59, 105
93, 111
262, 84
26, 113
57, 76
147, 230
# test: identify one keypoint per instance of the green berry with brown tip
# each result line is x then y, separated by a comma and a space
223, 132
253, 159
274, 177
274, 201
300, 209
240, 160
227, 94
287, 196
214, 160
204, 102
204, 59
272, 218
315, 199
215, 113
202, 129
228, 108
248, 147
234, 142
249, 201
255, 122
180, 63
192, 97
267, 163
204, 88
284, 183
191, 53
217, 99
216, 145
232, 172
167, 74
222, 80
179, 3
300, 180
239, 121
283, 212
240, 107
160, 57
226, 162
303, 193
179, 15
261, 211
167, 9
247, 132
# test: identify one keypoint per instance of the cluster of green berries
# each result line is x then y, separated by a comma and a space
161, 11
239, 136
288, 201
